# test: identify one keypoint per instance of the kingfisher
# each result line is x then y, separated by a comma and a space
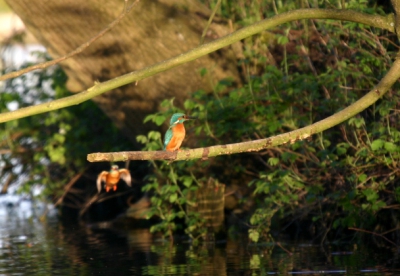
112, 177
176, 132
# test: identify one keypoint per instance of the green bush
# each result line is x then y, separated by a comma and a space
341, 178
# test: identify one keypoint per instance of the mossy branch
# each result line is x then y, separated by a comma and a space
256, 145
384, 22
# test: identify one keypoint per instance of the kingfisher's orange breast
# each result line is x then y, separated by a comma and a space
178, 134
112, 178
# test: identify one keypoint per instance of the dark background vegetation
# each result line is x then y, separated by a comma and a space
294, 75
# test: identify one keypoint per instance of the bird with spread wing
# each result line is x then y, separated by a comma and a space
112, 177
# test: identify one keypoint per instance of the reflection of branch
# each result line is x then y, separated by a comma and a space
384, 22
290, 137
88, 204
98, 199
373, 233
66, 190
68, 187
284, 249
74, 52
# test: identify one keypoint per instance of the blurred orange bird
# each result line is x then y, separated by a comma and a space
112, 177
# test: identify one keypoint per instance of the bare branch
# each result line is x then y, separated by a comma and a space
73, 53
385, 22
290, 137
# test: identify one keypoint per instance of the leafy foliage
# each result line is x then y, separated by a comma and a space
297, 75
168, 202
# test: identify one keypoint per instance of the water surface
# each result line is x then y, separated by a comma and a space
31, 247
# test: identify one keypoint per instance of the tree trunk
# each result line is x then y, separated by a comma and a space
153, 31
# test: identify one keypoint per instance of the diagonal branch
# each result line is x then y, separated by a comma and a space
396, 7
256, 145
78, 50
385, 22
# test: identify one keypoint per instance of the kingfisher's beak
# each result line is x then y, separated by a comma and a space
190, 117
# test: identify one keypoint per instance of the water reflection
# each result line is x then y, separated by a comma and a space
31, 247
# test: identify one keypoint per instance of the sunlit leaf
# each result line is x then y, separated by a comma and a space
377, 144
141, 139
173, 198
254, 235
273, 161
390, 147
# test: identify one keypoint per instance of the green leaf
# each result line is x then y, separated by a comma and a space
282, 40
203, 71
159, 119
341, 151
273, 161
362, 177
189, 105
358, 122
187, 181
154, 135
254, 235
370, 194
378, 205
255, 261
148, 118
180, 214
141, 139
59, 138
377, 144
316, 218
390, 147
57, 154
173, 198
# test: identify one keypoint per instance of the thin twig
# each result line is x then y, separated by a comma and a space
373, 233
391, 230
284, 249
209, 21
74, 52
